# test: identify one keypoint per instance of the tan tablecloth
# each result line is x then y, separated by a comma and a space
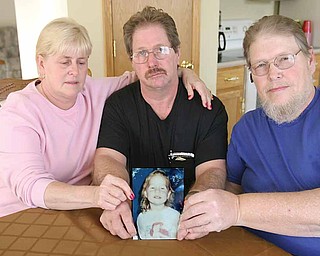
38, 232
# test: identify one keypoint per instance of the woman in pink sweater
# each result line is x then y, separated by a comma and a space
49, 130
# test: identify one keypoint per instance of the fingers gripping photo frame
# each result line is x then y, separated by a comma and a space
158, 203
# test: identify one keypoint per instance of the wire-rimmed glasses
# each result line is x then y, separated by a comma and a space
159, 52
283, 61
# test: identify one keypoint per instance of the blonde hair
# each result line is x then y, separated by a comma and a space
63, 35
145, 204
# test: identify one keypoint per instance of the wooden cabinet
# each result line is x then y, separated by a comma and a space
230, 90
316, 75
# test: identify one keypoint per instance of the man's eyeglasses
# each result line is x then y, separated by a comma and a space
283, 61
160, 53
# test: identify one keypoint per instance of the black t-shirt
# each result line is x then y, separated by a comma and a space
130, 126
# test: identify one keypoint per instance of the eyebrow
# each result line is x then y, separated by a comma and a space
69, 57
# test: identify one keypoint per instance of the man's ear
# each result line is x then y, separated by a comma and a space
312, 61
251, 79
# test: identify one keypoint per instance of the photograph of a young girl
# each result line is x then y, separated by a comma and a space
157, 210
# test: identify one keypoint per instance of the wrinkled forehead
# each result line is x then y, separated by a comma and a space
266, 46
149, 35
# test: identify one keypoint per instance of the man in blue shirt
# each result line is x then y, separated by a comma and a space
273, 159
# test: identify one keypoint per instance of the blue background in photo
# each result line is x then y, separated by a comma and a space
176, 176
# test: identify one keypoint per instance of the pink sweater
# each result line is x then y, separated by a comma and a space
40, 143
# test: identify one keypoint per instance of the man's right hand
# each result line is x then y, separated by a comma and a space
119, 221
112, 192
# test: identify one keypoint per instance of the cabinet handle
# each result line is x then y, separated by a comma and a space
231, 79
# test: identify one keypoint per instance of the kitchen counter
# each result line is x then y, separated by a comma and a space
231, 58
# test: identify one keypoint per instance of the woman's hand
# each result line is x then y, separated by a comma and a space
112, 192
193, 82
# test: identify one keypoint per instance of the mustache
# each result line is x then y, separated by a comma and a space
275, 85
152, 71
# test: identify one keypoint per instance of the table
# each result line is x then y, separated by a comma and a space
39, 232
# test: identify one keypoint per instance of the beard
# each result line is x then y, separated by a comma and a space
290, 110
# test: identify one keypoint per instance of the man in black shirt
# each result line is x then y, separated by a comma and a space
151, 123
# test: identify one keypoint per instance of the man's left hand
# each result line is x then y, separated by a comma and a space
207, 211
119, 221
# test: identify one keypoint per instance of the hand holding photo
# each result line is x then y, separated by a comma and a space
156, 211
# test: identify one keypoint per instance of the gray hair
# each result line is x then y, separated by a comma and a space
277, 25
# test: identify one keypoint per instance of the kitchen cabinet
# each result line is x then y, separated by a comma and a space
230, 90
316, 75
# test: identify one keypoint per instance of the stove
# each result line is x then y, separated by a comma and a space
235, 31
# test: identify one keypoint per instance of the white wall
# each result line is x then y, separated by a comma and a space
304, 10
246, 9
89, 14
31, 17
209, 24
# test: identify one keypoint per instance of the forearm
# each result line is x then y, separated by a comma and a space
211, 178
233, 188
62, 196
294, 213
105, 164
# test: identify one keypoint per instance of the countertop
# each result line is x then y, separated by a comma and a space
231, 58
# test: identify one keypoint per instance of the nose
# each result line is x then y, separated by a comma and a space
274, 72
74, 69
152, 60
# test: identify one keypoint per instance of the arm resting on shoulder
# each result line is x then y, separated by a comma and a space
287, 213
192, 82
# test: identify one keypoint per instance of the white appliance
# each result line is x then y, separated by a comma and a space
234, 31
